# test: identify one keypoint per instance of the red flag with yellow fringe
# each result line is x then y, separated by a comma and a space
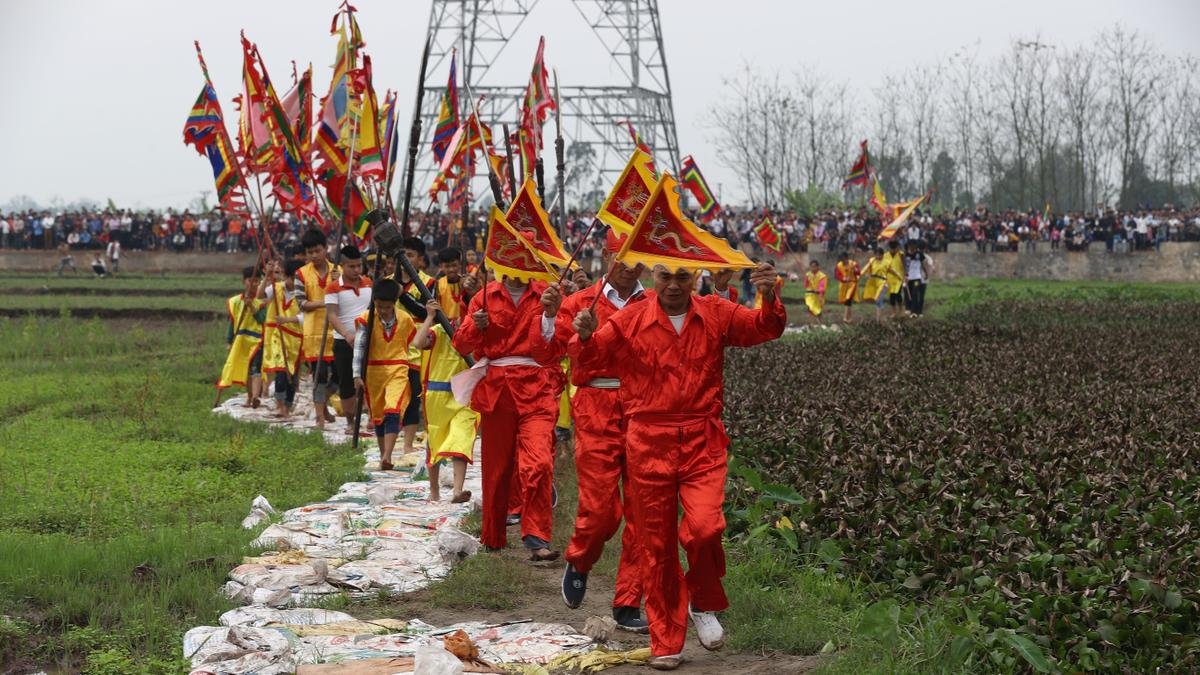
629, 196
511, 254
527, 216
663, 236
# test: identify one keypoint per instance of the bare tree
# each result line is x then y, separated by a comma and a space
1077, 87
964, 76
1174, 106
921, 85
1133, 81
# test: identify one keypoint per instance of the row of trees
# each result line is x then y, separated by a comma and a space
1113, 121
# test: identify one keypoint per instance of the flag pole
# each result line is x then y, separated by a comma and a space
560, 166
508, 163
414, 140
247, 195
342, 224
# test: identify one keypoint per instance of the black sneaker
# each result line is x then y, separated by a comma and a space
574, 586
512, 519
630, 619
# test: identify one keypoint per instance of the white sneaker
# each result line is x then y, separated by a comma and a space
708, 629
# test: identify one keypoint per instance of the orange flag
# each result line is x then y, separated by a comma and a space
663, 236
526, 215
624, 204
511, 254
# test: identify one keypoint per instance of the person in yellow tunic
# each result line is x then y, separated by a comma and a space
875, 289
814, 290
385, 385
893, 270
450, 427
846, 271
414, 250
243, 365
449, 289
282, 331
310, 293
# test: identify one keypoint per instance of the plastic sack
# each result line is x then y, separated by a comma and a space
433, 659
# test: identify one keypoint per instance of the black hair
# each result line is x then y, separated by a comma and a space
351, 252
878, 250
414, 244
292, 266
248, 272
386, 289
313, 237
449, 254
843, 255
893, 244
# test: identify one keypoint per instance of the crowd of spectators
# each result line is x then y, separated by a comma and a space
839, 230
832, 231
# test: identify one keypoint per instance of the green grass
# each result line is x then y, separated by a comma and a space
192, 302
484, 581
127, 281
777, 605
121, 494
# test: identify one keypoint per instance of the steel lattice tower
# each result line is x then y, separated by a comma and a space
628, 31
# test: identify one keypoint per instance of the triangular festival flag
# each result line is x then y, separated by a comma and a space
527, 216
629, 196
510, 254
663, 236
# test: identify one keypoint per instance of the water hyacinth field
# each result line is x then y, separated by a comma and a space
1032, 466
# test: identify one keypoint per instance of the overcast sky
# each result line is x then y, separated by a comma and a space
95, 92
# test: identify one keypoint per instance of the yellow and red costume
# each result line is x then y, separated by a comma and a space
517, 400
876, 279
814, 291
450, 297
847, 274
600, 456
385, 386
245, 339
450, 427
671, 397
314, 291
281, 341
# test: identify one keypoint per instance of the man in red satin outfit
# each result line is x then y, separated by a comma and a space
600, 453
668, 352
517, 401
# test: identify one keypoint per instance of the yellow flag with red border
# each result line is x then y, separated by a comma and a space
526, 215
510, 253
630, 195
663, 236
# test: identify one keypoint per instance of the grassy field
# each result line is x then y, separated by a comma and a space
184, 283
121, 495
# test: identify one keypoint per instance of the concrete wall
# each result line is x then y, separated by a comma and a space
1176, 262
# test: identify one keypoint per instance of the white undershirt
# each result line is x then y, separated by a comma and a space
677, 322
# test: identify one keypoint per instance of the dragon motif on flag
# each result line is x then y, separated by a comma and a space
511, 253
660, 232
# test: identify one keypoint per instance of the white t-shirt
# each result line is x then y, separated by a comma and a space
677, 322
348, 304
